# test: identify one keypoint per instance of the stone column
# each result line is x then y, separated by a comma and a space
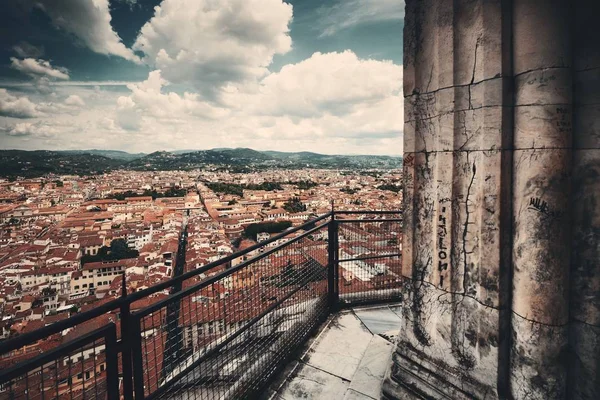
541, 192
584, 332
457, 208
501, 251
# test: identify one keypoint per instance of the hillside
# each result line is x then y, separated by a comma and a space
87, 162
114, 154
43, 162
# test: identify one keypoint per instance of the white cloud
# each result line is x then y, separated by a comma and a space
17, 107
329, 103
27, 50
38, 68
147, 98
89, 21
334, 83
38, 129
349, 13
210, 44
334, 102
74, 100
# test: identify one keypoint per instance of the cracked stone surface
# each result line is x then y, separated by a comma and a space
379, 320
501, 242
371, 370
347, 360
341, 348
313, 383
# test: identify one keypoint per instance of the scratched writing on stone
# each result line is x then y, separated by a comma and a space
564, 122
442, 249
541, 206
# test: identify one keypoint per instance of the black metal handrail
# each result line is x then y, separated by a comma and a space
22, 340
294, 286
208, 281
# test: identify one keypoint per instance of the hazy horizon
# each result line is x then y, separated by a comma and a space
207, 149
143, 75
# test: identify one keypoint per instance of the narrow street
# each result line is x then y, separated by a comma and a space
173, 344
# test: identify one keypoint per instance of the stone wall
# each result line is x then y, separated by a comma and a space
501, 252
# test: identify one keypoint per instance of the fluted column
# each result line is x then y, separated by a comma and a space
584, 332
501, 245
457, 208
542, 157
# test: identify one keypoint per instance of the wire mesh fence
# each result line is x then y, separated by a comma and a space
223, 329
370, 266
225, 337
84, 368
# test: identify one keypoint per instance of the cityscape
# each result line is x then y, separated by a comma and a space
190, 189
299, 200
70, 243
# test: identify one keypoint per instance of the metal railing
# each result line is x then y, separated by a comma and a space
219, 331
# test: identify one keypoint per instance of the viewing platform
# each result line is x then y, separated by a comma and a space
227, 329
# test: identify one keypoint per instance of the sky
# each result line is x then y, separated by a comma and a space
148, 75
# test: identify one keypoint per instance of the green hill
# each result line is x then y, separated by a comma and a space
87, 162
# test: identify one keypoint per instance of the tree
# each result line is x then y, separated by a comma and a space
294, 205
348, 190
118, 250
390, 187
270, 227
304, 185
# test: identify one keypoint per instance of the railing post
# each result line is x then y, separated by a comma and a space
112, 365
137, 359
126, 344
332, 265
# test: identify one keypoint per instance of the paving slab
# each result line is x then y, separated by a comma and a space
368, 378
312, 383
379, 320
339, 350
354, 395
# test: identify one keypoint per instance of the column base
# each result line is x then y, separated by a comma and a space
409, 379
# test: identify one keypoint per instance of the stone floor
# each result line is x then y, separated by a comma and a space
346, 360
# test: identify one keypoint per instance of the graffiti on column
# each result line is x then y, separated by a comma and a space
442, 248
564, 121
541, 206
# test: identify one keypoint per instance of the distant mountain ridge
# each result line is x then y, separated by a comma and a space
115, 154
84, 162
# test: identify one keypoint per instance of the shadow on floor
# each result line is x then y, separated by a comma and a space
347, 359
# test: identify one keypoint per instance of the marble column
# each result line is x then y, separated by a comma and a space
542, 158
584, 327
457, 208
501, 230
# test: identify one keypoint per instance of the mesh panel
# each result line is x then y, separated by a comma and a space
78, 370
370, 266
226, 337
222, 332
